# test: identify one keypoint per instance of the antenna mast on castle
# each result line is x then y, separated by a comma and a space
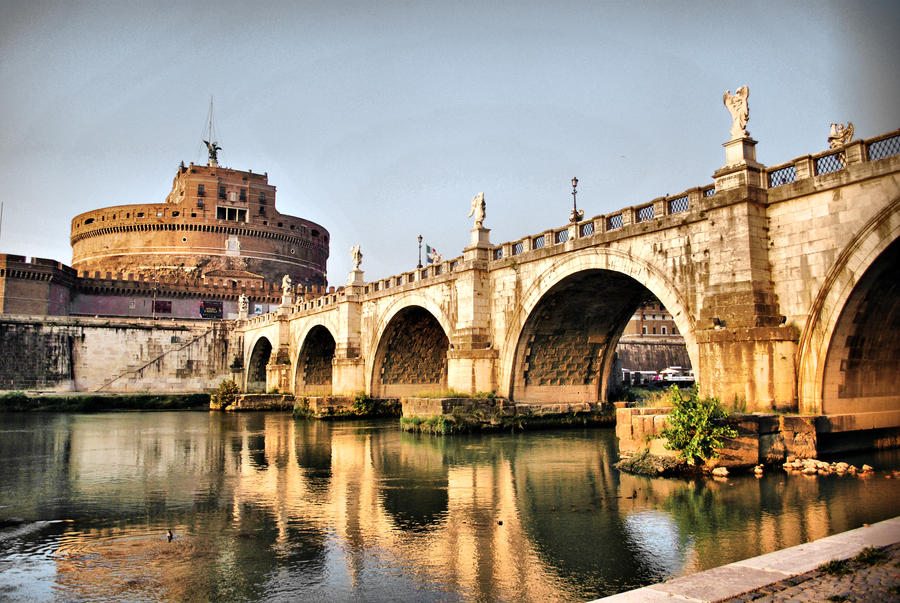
212, 144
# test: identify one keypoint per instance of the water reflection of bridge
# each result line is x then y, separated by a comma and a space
255, 492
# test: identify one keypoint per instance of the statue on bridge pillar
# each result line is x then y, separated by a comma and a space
243, 307
286, 297
356, 275
478, 210
740, 150
480, 234
840, 135
740, 111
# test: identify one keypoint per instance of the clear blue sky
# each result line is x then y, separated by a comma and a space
381, 120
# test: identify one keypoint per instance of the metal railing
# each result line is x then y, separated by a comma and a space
886, 147
561, 236
782, 176
645, 214
586, 229
537, 242
614, 222
498, 253
679, 204
829, 163
518, 248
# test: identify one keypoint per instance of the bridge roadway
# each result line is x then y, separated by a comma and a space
783, 281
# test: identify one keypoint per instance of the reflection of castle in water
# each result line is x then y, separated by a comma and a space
338, 498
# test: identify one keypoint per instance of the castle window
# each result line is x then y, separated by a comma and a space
243, 194
128, 215
221, 213
292, 227
643, 330
114, 216
262, 211
262, 198
280, 225
88, 221
221, 192
315, 232
175, 214
193, 215
159, 214
663, 330
201, 190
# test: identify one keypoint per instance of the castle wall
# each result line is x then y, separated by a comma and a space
114, 355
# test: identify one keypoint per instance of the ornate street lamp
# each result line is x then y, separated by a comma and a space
576, 215
420, 251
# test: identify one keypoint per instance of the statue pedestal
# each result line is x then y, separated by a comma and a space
740, 150
355, 278
287, 299
242, 315
480, 248
741, 167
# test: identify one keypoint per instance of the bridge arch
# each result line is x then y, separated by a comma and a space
408, 350
313, 363
848, 350
255, 376
588, 268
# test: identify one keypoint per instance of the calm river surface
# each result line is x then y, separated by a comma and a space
266, 507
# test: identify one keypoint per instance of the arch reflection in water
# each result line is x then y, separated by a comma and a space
263, 506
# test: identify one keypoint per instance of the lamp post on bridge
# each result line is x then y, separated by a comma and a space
420, 252
576, 215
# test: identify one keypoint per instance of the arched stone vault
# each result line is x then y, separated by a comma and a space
590, 260
882, 230
380, 323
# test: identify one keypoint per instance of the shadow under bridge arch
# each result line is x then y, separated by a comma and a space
314, 364
411, 357
256, 366
566, 348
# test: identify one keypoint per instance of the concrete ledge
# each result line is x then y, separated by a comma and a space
737, 578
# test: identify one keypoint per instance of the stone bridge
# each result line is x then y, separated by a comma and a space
783, 280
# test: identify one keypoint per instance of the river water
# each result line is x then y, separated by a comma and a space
263, 507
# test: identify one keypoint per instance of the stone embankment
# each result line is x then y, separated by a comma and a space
460, 415
762, 438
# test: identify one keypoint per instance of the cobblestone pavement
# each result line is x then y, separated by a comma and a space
862, 582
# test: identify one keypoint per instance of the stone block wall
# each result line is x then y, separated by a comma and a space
36, 356
416, 353
761, 438
113, 355
561, 358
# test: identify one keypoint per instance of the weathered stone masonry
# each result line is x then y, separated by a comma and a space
781, 280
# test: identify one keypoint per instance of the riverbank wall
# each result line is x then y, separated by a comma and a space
86, 354
765, 438
461, 415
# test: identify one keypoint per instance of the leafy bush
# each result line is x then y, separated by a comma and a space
363, 404
695, 426
225, 394
14, 401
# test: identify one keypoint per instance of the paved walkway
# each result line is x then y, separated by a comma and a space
793, 574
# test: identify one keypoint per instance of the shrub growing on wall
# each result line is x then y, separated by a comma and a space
225, 394
695, 426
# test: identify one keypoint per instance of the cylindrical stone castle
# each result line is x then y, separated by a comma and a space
216, 221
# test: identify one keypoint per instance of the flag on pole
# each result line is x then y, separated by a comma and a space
430, 253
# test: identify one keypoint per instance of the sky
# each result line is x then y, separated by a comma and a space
381, 120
